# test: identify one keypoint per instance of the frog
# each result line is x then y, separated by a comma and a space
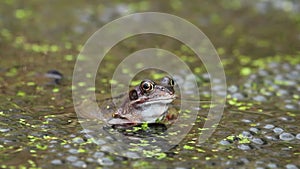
146, 103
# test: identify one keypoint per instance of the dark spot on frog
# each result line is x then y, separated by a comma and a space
133, 95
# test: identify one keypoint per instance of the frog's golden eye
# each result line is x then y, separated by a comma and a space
171, 82
147, 86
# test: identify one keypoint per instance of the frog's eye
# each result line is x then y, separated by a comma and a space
171, 82
147, 86
167, 81
133, 95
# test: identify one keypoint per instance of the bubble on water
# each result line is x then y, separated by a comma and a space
254, 130
221, 93
246, 120
105, 161
290, 106
73, 151
271, 138
259, 98
53, 141
282, 92
294, 75
180, 168
77, 140
244, 147
298, 136
247, 134
262, 72
238, 96
225, 142
286, 136
252, 77
56, 162
80, 164
132, 155
258, 141
3, 130
291, 166
98, 155
287, 119
272, 65
286, 66
206, 76
278, 130
272, 165
67, 146
269, 126
100, 141
244, 160
85, 131
72, 158
232, 88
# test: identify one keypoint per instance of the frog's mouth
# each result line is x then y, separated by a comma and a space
161, 100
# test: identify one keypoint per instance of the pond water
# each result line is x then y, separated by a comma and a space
257, 41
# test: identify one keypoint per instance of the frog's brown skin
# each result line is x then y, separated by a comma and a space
145, 103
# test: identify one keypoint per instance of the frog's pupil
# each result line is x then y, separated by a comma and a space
146, 86
172, 82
